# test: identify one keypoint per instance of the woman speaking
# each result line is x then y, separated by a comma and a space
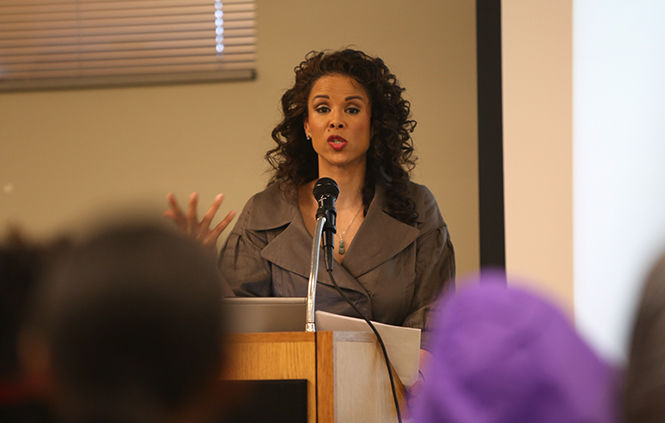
344, 118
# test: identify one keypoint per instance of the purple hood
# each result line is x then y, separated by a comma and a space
501, 354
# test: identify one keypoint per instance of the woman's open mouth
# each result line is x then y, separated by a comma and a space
336, 142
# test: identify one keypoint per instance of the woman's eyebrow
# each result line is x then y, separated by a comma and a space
351, 97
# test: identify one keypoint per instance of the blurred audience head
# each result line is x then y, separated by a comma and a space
20, 269
503, 355
132, 328
22, 264
643, 396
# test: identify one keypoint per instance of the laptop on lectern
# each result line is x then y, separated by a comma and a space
265, 314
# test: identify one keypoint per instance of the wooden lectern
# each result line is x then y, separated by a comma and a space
346, 373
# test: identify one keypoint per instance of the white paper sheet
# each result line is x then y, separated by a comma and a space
402, 343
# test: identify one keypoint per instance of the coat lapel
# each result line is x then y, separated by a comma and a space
290, 250
380, 238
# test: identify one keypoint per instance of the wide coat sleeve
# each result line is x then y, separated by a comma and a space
240, 261
435, 262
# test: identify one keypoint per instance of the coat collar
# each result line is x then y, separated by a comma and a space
379, 238
273, 209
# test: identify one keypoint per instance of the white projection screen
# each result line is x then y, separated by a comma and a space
618, 161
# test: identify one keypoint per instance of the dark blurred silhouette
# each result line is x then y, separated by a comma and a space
131, 329
643, 395
21, 266
501, 354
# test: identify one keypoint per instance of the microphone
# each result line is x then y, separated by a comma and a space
325, 192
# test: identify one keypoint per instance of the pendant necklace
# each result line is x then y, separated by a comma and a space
341, 249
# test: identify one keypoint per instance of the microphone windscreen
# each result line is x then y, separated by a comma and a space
325, 186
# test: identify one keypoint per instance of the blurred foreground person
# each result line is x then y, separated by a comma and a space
131, 328
21, 266
643, 396
503, 355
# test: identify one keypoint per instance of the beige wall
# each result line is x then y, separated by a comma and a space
69, 155
537, 119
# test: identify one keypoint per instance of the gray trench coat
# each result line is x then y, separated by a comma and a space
392, 271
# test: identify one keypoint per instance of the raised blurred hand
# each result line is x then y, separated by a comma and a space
189, 223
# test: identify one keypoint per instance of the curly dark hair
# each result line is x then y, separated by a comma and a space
390, 156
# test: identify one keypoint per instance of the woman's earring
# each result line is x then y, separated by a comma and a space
308, 136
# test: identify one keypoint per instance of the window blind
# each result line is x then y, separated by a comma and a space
69, 43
